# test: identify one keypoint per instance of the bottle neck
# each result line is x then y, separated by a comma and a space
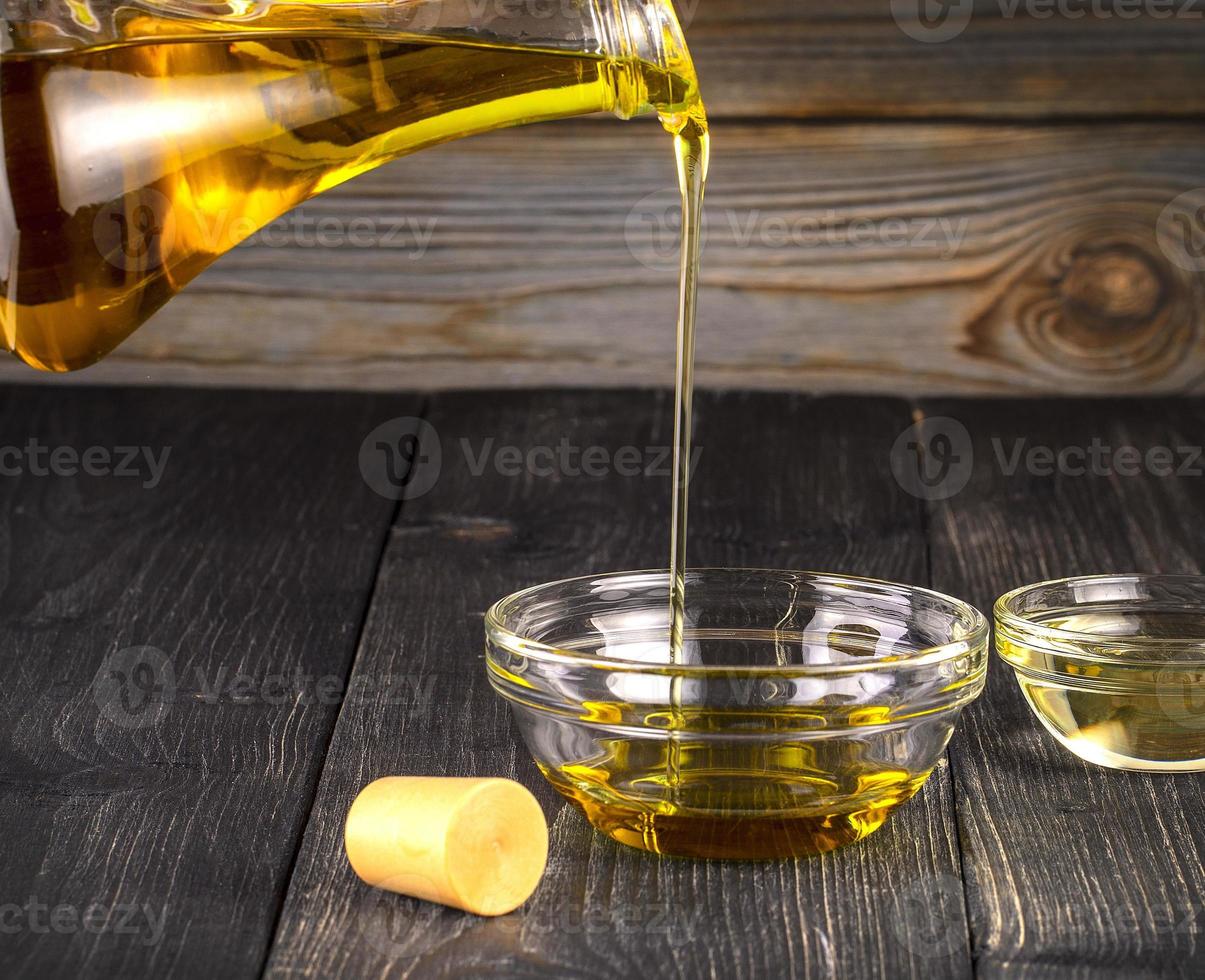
643, 42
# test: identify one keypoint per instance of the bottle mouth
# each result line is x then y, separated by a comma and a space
644, 40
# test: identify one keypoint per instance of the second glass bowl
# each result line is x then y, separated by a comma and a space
801, 711
1113, 666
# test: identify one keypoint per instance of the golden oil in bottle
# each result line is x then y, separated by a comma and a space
1120, 705
129, 168
130, 165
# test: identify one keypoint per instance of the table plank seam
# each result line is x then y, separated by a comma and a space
423, 411
927, 523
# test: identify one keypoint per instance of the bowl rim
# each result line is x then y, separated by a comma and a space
976, 638
1009, 621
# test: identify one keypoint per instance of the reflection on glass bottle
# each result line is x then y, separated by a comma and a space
141, 140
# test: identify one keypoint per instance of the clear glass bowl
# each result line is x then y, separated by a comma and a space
1113, 666
802, 710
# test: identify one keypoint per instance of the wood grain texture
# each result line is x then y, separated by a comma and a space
254, 555
604, 910
929, 259
169, 812
1004, 58
1073, 871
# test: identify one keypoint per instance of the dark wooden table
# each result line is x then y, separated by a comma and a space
204, 664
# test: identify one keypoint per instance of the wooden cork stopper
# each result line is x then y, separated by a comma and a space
475, 844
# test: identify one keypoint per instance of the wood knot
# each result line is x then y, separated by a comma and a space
1113, 285
1100, 299
479, 529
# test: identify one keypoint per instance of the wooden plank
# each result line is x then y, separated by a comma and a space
1076, 871
923, 258
809, 490
151, 814
1034, 59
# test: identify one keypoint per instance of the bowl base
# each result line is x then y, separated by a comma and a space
1156, 728
750, 835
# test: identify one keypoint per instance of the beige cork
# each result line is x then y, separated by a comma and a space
475, 844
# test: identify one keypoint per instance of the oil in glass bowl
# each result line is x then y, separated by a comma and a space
720, 798
800, 712
1113, 666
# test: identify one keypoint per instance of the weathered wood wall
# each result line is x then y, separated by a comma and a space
888, 212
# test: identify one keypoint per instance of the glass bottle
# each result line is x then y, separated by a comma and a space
142, 139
